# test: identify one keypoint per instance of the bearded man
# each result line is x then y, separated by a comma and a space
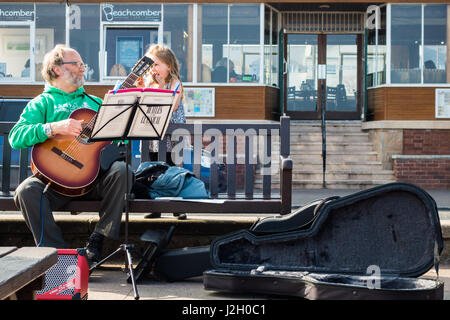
47, 116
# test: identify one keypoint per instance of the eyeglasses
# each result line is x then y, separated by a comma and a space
78, 64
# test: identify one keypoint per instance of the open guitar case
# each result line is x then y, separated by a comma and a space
373, 244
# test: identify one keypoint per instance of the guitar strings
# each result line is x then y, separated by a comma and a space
73, 149
73, 146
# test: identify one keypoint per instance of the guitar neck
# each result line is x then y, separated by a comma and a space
129, 81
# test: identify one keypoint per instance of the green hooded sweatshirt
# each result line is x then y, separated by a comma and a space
50, 106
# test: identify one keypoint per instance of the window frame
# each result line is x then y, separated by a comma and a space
389, 51
32, 32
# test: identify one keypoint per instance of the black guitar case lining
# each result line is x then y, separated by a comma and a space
393, 228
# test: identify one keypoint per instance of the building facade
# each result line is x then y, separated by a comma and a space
384, 64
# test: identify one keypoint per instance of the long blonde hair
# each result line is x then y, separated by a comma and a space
166, 55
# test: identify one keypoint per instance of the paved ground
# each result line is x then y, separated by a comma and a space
111, 284
301, 197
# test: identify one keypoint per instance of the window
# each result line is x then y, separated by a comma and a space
50, 31
83, 20
267, 43
178, 19
381, 52
15, 53
230, 43
244, 46
435, 48
16, 35
406, 39
214, 36
376, 50
270, 46
275, 43
111, 38
128, 30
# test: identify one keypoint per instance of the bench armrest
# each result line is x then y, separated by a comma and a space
286, 184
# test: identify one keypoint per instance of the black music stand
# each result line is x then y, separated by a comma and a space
121, 117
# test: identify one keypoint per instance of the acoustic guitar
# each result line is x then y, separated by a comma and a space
71, 164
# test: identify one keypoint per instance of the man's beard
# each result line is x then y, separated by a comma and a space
72, 79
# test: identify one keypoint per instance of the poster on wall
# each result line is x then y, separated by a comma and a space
199, 102
442, 103
129, 51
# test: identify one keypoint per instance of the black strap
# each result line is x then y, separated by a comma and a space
91, 98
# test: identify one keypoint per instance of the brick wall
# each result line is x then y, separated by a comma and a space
425, 160
430, 142
432, 172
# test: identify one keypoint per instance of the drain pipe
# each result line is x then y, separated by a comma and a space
324, 137
322, 75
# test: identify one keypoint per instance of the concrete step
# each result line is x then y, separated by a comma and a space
351, 162
350, 175
347, 179
338, 184
336, 146
330, 126
330, 184
333, 157
330, 138
350, 165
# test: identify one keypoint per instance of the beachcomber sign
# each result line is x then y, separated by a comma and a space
129, 12
14, 12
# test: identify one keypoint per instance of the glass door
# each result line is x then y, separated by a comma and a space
342, 74
339, 83
302, 55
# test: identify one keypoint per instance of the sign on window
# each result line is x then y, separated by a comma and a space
442, 103
131, 12
199, 102
16, 12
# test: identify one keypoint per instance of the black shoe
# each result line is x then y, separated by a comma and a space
180, 216
153, 215
94, 247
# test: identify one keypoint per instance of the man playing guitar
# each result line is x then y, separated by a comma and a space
47, 116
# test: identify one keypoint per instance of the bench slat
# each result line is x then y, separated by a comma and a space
231, 166
162, 149
144, 150
285, 136
6, 169
23, 266
6, 250
249, 149
23, 164
266, 170
227, 206
197, 157
213, 180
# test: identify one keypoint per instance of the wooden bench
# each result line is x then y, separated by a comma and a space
248, 199
23, 271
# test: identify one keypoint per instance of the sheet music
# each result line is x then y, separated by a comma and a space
107, 124
159, 115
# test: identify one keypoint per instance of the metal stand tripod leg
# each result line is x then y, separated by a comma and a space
125, 247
